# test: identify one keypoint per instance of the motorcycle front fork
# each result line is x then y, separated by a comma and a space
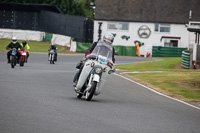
89, 83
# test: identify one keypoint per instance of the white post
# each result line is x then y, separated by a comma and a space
194, 52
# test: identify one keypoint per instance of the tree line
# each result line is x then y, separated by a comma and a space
71, 7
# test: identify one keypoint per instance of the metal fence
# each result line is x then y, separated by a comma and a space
38, 18
19, 20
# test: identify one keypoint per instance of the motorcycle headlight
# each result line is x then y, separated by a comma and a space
98, 70
23, 53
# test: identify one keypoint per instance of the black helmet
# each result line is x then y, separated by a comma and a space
24, 42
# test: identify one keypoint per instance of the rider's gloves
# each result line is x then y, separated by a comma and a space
7, 48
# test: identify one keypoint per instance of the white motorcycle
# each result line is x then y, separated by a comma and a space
97, 67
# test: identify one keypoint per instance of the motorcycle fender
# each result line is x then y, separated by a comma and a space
96, 77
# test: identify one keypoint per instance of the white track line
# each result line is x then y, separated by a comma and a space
157, 92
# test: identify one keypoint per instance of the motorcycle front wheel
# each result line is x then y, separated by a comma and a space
21, 63
13, 62
51, 59
90, 93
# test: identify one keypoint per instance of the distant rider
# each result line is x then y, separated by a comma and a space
53, 47
25, 45
13, 44
108, 39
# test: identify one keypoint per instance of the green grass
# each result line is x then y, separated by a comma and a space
35, 46
165, 64
174, 80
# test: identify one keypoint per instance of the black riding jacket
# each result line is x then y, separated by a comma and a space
12, 45
52, 47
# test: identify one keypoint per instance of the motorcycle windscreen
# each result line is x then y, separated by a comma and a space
102, 49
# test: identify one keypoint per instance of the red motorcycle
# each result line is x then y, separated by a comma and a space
23, 56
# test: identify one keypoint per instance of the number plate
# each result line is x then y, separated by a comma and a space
13, 53
103, 59
51, 51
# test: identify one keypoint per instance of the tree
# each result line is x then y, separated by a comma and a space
71, 7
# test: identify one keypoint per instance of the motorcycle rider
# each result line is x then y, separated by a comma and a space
108, 39
25, 45
53, 47
13, 44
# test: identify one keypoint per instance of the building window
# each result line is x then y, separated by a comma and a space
171, 43
162, 27
118, 26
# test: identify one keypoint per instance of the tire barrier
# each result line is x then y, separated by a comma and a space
185, 59
159, 51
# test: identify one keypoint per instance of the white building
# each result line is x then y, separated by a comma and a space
155, 22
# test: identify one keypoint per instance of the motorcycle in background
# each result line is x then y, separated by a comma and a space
23, 56
52, 56
13, 61
95, 72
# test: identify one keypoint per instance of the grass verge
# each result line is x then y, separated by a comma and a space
35, 46
174, 81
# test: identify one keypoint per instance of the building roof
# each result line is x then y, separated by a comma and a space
159, 11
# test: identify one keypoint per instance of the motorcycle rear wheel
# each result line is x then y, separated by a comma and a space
90, 93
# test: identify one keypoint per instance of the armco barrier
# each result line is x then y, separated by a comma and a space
159, 51
185, 59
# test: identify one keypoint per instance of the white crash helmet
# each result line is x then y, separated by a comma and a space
108, 38
14, 40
